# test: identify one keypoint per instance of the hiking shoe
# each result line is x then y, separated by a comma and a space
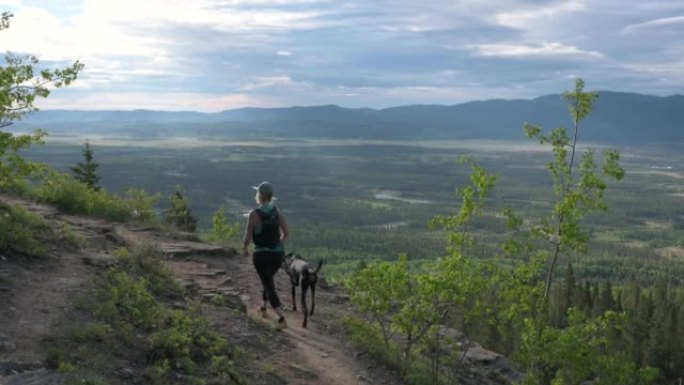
281, 324
262, 311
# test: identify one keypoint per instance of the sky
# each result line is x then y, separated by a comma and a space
213, 55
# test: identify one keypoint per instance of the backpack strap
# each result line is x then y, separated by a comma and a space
266, 215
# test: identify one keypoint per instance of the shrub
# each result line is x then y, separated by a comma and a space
178, 214
145, 261
72, 196
20, 231
222, 231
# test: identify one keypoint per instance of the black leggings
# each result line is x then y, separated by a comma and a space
267, 264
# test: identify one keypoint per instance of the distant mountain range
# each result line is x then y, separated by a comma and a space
618, 118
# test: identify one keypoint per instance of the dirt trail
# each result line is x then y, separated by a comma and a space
316, 355
35, 296
316, 349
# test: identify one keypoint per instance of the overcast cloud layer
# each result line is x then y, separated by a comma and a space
211, 55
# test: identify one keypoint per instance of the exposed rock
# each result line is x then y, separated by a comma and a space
183, 249
10, 367
209, 273
229, 299
340, 299
184, 236
95, 241
35, 377
102, 260
189, 283
490, 361
302, 372
125, 373
114, 238
6, 346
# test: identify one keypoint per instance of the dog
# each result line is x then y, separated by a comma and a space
300, 272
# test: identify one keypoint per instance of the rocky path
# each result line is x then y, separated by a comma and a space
316, 355
36, 295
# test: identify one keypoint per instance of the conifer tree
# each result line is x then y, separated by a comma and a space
632, 330
659, 344
570, 286
678, 337
85, 171
605, 301
178, 214
584, 302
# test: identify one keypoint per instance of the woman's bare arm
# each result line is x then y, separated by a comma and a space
247, 239
284, 232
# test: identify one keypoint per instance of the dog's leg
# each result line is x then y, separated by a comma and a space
313, 301
294, 281
305, 286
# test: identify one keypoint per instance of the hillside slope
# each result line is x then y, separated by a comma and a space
41, 297
619, 118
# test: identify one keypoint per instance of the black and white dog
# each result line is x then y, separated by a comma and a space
301, 273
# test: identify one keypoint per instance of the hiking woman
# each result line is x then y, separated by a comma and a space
267, 229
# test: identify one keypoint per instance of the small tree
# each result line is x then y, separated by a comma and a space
85, 171
178, 213
579, 187
221, 230
19, 88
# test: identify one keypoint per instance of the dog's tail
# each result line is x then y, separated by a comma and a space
320, 264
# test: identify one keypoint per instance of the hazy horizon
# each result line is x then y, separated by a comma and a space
343, 106
215, 55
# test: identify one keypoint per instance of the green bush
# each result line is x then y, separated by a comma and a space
129, 301
92, 332
187, 333
134, 324
20, 231
145, 261
72, 196
178, 214
370, 337
222, 231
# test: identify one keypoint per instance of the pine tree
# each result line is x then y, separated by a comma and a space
660, 344
606, 299
585, 303
558, 306
85, 171
178, 213
570, 287
678, 337
631, 298
642, 322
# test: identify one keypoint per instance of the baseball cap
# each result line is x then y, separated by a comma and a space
265, 189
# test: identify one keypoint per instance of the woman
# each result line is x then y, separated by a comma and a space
267, 228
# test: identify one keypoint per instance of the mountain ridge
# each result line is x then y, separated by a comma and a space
618, 117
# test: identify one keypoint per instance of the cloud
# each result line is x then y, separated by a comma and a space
539, 50
523, 17
671, 69
172, 101
285, 52
654, 24
272, 82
